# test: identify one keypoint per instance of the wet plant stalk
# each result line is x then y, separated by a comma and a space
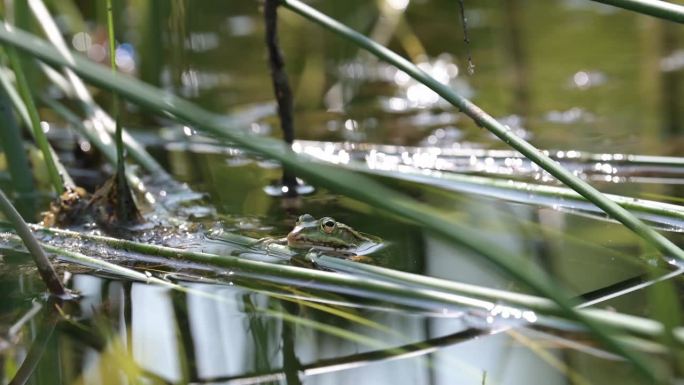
124, 205
38, 134
115, 100
466, 40
281, 85
344, 182
661, 9
47, 272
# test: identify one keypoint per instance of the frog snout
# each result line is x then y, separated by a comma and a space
292, 238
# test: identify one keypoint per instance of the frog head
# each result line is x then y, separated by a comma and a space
324, 233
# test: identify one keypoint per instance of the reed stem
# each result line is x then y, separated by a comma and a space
45, 269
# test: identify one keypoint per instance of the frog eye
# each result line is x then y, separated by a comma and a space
328, 225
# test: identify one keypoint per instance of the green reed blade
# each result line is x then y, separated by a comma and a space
17, 161
38, 134
344, 182
661, 9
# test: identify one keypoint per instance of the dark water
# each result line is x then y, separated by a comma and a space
567, 75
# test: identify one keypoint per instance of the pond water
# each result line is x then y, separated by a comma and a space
568, 75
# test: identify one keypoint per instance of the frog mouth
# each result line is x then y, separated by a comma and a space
293, 240
296, 240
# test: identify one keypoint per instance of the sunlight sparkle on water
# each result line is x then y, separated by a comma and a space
507, 312
351, 125
328, 153
84, 145
399, 5
150, 198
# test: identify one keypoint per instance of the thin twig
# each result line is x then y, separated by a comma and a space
464, 21
281, 85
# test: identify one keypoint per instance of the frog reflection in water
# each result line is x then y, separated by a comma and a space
326, 234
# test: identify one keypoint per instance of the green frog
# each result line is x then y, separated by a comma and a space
326, 234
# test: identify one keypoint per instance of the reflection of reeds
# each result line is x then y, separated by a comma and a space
354, 361
38, 346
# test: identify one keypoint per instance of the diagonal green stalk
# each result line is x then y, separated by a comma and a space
661, 9
22, 110
501, 131
38, 134
45, 269
17, 161
344, 182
